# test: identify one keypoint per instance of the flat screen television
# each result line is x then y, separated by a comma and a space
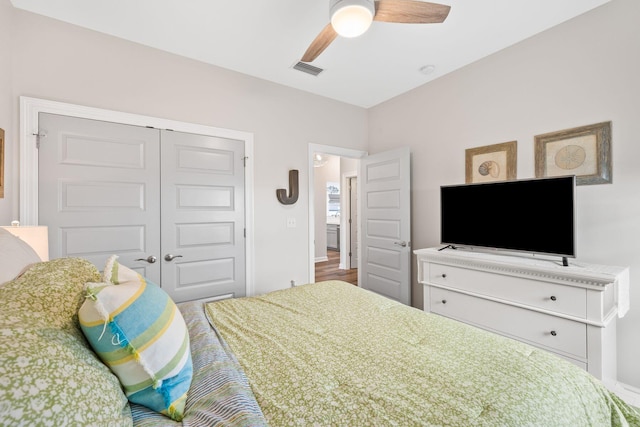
529, 215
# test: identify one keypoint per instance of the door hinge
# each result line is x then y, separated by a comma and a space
245, 233
349, 253
38, 136
244, 161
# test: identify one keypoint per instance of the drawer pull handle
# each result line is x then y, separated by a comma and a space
444, 276
553, 298
554, 333
444, 301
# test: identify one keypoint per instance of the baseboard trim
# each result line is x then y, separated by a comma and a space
322, 259
628, 393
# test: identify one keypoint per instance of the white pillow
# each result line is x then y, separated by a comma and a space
15, 256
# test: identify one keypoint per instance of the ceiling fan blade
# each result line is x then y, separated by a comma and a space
410, 12
320, 43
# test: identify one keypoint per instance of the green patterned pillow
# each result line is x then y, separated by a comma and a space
49, 374
138, 331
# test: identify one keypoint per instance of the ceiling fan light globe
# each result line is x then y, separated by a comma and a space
351, 18
319, 160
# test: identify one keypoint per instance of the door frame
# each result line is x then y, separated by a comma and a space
345, 209
334, 151
30, 108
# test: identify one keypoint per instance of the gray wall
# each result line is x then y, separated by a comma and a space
61, 62
582, 72
7, 112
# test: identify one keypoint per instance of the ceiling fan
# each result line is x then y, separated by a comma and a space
351, 18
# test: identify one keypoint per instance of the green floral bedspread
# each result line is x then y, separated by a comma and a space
333, 354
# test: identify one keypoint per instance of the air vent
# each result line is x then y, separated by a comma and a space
306, 68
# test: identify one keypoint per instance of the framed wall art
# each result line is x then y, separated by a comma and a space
583, 151
495, 162
1, 163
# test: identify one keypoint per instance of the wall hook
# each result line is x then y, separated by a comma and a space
281, 193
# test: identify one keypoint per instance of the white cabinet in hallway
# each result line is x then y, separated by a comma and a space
333, 237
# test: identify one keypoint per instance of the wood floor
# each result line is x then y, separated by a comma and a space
329, 270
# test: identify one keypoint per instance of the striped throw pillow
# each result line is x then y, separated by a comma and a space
138, 332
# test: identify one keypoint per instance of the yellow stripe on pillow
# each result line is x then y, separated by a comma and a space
149, 336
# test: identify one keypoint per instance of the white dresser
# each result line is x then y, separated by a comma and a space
570, 311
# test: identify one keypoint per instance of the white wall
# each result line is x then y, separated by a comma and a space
582, 72
320, 213
7, 113
57, 61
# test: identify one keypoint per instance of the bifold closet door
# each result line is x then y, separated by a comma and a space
99, 192
203, 243
169, 204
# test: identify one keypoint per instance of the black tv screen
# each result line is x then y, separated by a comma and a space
534, 215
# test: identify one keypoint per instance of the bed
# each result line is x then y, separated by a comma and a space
326, 353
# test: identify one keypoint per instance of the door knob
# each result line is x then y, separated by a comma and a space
169, 257
150, 259
401, 243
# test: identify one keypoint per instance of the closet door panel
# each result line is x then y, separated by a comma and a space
202, 216
99, 191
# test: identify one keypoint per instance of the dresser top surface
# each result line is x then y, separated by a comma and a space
601, 274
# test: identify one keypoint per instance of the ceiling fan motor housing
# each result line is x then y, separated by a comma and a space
351, 18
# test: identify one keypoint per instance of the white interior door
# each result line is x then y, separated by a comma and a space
203, 212
99, 191
385, 221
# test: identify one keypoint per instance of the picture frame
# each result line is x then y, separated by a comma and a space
1, 163
583, 151
496, 162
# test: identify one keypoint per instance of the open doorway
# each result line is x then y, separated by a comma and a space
384, 211
333, 212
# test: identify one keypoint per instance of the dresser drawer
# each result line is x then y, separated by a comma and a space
537, 294
554, 333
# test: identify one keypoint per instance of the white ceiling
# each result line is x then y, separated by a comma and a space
266, 38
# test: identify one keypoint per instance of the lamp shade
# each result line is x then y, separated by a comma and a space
351, 18
35, 236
